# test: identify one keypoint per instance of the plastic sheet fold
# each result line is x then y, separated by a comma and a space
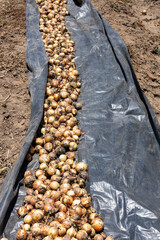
121, 133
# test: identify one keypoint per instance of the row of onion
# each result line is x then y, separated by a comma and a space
56, 205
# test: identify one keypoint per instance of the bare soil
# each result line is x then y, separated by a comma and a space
140, 31
14, 96
138, 23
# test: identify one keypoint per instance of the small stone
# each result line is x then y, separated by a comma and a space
144, 12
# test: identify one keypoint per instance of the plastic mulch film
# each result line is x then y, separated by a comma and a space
121, 134
12, 192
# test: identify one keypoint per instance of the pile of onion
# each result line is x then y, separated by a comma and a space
57, 205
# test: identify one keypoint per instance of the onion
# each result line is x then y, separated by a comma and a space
78, 210
37, 215
67, 223
48, 208
63, 208
55, 195
51, 119
28, 219
36, 229
48, 137
37, 184
51, 170
103, 235
93, 232
71, 232
55, 178
86, 202
44, 158
52, 155
22, 211
71, 193
70, 162
67, 200
78, 106
97, 224
27, 199
39, 205
45, 230
76, 202
81, 166
65, 187
73, 146
63, 157
27, 173
65, 168
53, 232
71, 155
54, 185
42, 177
29, 191
98, 237
26, 227
84, 211
92, 216
67, 237
34, 200
42, 188
60, 216
48, 238
61, 230
87, 227
84, 175
39, 141
39, 172
42, 151
82, 235
48, 194
78, 191
21, 235
48, 146
29, 181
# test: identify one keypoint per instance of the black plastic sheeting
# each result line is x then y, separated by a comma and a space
37, 62
122, 135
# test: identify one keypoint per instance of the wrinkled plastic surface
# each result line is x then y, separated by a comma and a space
121, 140
37, 62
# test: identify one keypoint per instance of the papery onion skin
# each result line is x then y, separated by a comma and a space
21, 235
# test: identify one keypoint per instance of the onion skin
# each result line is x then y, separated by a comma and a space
97, 224
98, 237
53, 232
81, 166
86, 202
37, 215
21, 235
82, 235
87, 227
22, 211
71, 232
